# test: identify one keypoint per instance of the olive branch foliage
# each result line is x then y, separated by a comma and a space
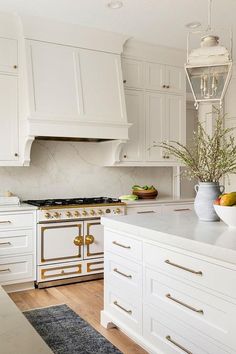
209, 157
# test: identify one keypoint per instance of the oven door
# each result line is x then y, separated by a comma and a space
60, 242
93, 239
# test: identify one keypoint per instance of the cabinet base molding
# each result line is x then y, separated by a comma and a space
12, 288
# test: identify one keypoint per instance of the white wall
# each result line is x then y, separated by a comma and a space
59, 170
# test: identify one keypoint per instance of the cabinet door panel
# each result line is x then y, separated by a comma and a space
8, 55
93, 238
8, 118
175, 78
155, 76
54, 81
155, 124
133, 149
102, 86
132, 73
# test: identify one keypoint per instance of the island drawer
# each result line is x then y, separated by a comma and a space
196, 271
16, 242
122, 245
202, 311
123, 274
12, 221
128, 312
172, 336
16, 268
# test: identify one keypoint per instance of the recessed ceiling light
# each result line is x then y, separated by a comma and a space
193, 25
115, 4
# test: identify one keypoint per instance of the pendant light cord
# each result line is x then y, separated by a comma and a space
209, 20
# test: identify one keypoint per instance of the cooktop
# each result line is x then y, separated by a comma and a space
72, 201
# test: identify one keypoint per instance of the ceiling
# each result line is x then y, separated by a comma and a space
156, 21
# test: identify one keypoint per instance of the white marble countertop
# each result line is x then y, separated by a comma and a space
21, 207
16, 333
158, 201
182, 230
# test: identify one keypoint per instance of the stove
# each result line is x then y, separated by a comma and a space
70, 238
76, 208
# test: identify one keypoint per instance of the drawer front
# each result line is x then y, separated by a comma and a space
172, 336
122, 245
196, 271
125, 311
16, 242
20, 220
148, 209
61, 271
16, 268
123, 275
178, 208
207, 313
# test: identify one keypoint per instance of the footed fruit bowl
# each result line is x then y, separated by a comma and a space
226, 214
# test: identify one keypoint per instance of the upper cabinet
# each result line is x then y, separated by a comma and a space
69, 84
132, 73
8, 56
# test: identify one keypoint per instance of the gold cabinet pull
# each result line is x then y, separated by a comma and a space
183, 304
5, 270
89, 239
178, 345
124, 275
183, 209
122, 308
183, 268
120, 245
146, 212
5, 243
5, 222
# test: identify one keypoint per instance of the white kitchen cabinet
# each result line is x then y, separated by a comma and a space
8, 55
100, 77
166, 122
175, 79
8, 118
133, 76
133, 149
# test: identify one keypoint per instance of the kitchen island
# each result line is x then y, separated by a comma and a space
170, 282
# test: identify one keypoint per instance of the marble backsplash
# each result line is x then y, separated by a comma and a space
59, 170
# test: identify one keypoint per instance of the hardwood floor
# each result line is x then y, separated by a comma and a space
86, 299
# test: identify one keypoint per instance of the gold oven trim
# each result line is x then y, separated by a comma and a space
59, 227
83, 206
93, 263
91, 254
43, 271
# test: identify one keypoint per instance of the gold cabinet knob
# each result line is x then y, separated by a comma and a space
76, 213
92, 212
47, 215
84, 213
118, 211
68, 213
100, 212
79, 241
56, 214
89, 239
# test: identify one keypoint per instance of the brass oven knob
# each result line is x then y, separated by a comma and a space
92, 212
79, 241
100, 212
76, 213
68, 213
84, 213
56, 214
47, 215
118, 211
89, 239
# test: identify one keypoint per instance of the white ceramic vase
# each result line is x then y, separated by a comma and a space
207, 192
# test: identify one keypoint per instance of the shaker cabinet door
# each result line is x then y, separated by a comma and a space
132, 73
8, 55
155, 76
133, 149
8, 118
53, 81
175, 79
102, 86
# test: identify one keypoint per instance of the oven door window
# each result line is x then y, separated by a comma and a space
60, 242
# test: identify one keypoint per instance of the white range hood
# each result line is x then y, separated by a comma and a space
71, 84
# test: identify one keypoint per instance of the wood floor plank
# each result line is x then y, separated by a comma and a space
86, 299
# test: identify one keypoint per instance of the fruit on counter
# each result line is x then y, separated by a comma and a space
144, 188
226, 199
130, 197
